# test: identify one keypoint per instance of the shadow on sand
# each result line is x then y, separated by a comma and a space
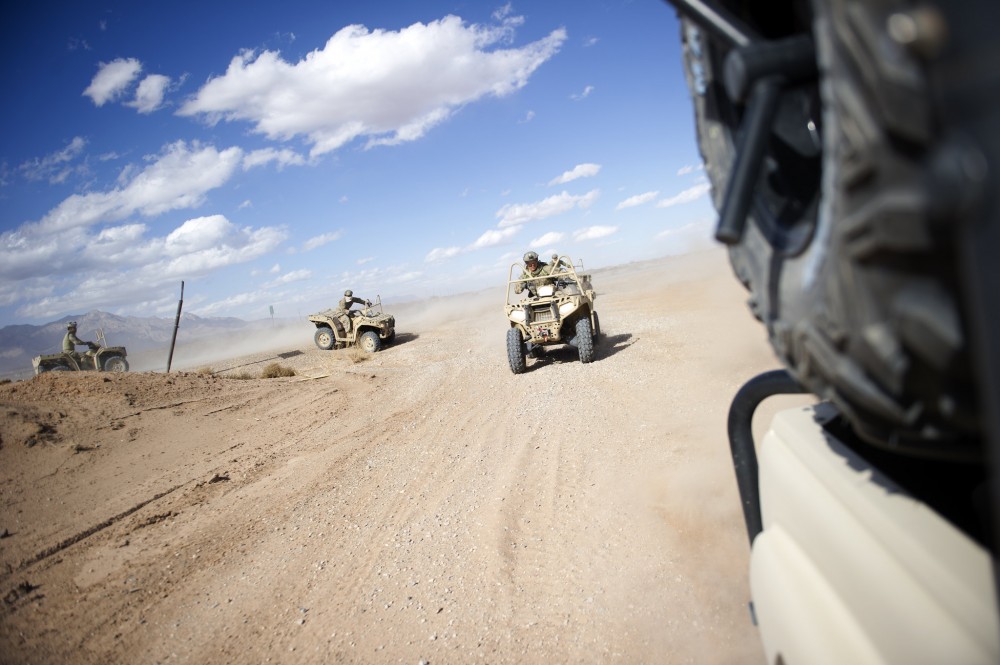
607, 346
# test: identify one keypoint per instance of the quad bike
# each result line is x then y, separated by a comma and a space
556, 309
369, 328
853, 147
100, 358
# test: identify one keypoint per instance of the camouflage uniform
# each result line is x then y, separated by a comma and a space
71, 341
343, 310
541, 270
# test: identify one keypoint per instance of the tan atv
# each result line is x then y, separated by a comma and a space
370, 328
553, 309
100, 358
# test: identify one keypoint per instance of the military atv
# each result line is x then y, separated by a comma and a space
370, 328
100, 358
556, 309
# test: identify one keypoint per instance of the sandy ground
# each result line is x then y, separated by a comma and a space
422, 506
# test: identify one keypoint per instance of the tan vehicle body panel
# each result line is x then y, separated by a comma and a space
851, 569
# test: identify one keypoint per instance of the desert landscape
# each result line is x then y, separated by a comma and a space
419, 505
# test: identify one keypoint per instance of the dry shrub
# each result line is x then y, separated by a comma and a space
274, 370
242, 375
357, 355
205, 371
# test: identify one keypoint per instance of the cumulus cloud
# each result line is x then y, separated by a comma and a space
494, 237
548, 239
594, 232
687, 196
112, 80
264, 156
290, 277
57, 166
520, 213
86, 252
122, 266
179, 177
320, 240
637, 200
442, 253
578, 171
149, 93
388, 86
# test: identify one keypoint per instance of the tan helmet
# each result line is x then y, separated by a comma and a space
530, 256
348, 293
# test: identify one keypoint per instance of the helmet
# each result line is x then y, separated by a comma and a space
71, 325
555, 257
530, 256
348, 293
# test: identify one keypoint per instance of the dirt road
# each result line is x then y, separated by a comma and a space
422, 506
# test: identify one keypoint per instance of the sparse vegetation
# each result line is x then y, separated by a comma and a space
357, 355
274, 370
206, 371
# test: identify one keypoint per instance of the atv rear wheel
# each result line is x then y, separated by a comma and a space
324, 338
115, 364
370, 342
516, 351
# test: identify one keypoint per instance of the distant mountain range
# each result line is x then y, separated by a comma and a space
20, 343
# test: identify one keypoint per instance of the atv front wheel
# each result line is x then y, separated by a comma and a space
585, 340
115, 364
516, 351
324, 338
370, 342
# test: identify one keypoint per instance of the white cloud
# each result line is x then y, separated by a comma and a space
367, 259
119, 266
590, 41
494, 237
112, 79
688, 195
519, 213
637, 200
290, 277
177, 178
149, 93
267, 155
582, 95
389, 86
247, 203
594, 232
549, 238
320, 240
690, 168
441, 253
528, 117
55, 167
578, 171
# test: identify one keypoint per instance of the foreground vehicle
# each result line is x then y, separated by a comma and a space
370, 328
852, 148
557, 308
100, 358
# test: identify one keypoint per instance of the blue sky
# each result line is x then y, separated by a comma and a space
274, 154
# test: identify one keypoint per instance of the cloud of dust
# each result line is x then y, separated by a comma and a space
202, 352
